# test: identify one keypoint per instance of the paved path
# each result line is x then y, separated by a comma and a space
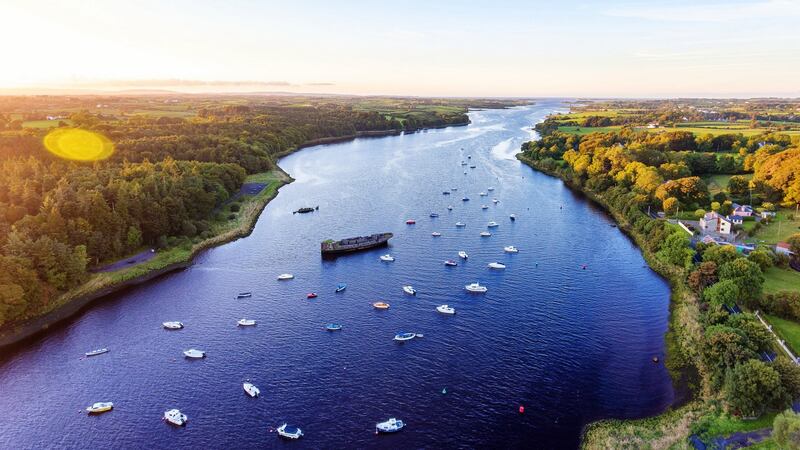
138, 258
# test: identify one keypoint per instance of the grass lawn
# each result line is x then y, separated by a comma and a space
724, 425
587, 130
777, 279
788, 331
44, 123
775, 232
719, 182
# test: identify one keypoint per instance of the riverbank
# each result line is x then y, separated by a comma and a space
682, 358
169, 260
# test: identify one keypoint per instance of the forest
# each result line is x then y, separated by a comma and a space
177, 159
714, 333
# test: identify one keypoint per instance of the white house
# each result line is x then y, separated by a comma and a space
713, 222
742, 210
767, 214
736, 220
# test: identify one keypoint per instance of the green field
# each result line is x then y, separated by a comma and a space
781, 227
44, 123
719, 182
787, 330
587, 130
777, 279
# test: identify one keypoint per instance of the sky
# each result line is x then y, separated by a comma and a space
699, 48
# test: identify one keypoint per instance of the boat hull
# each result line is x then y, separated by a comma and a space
356, 244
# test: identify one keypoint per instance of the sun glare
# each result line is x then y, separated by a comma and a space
78, 145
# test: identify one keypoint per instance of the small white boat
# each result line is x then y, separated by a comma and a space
436, 234
495, 201
408, 289
483, 194
484, 206
490, 188
175, 417
99, 351
100, 407
463, 163
492, 224
450, 208
460, 224
475, 287
453, 189
387, 258
285, 276
450, 262
172, 325
512, 217
390, 426
485, 234
446, 309
194, 353
510, 249
497, 265
463, 255
402, 337
289, 432
251, 389
245, 322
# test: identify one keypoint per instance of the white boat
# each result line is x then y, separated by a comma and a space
483, 194
497, 265
289, 432
245, 322
475, 287
463, 163
494, 200
450, 262
436, 234
492, 224
285, 276
251, 389
100, 407
194, 353
446, 309
460, 224
387, 258
390, 426
408, 289
450, 208
99, 351
172, 325
484, 206
485, 234
402, 337
490, 188
512, 217
510, 249
453, 189
463, 255
175, 417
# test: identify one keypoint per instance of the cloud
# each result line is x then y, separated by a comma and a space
321, 84
710, 12
175, 82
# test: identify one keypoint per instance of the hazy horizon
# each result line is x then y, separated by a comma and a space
620, 49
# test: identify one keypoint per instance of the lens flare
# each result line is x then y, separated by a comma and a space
78, 145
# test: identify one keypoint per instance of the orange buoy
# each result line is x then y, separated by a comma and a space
521, 409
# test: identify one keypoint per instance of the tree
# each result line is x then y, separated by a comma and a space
705, 275
725, 292
790, 376
752, 386
726, 346
763, 257
720, 254
794, 244
699, 213
676, 250
738, 185
786, 430
746, 274
670, 205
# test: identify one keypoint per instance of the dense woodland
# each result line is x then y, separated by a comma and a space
636, 171
173, 166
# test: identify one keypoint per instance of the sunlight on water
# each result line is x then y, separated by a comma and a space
78, 145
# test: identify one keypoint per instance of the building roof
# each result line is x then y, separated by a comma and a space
735, 217
783, 245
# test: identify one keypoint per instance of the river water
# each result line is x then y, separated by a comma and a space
571, 345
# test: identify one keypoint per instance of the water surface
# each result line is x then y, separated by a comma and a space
572, 345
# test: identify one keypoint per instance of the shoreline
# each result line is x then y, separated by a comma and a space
682, 305
74, 301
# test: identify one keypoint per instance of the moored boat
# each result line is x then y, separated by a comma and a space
96, 352
450, 262
510, 249
390, 426
494, 200
380, 305
402, 336
244, 294
483, 194
285, 276
172, 325
408, 289
512, 217
485, 234
492, 224
245, 322
340, 287
450, 208
175, 417
289, 432
387, 258
497, 265
484, 206
305, 209
311, 295
333, 326
410, 222
446, 309
251, 389
331, 247
490, 188
463, 255
445, 192
476, 287
465, 199
434, 215
194, 353
100, 407
460, 224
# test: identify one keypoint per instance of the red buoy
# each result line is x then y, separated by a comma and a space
521, 409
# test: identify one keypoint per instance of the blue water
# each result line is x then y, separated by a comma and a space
572, 345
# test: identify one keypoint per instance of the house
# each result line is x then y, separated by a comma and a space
715, 223
742, 210
736, 220
783, 248
768, 214
652, 125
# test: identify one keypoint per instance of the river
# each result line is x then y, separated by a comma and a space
571, 345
